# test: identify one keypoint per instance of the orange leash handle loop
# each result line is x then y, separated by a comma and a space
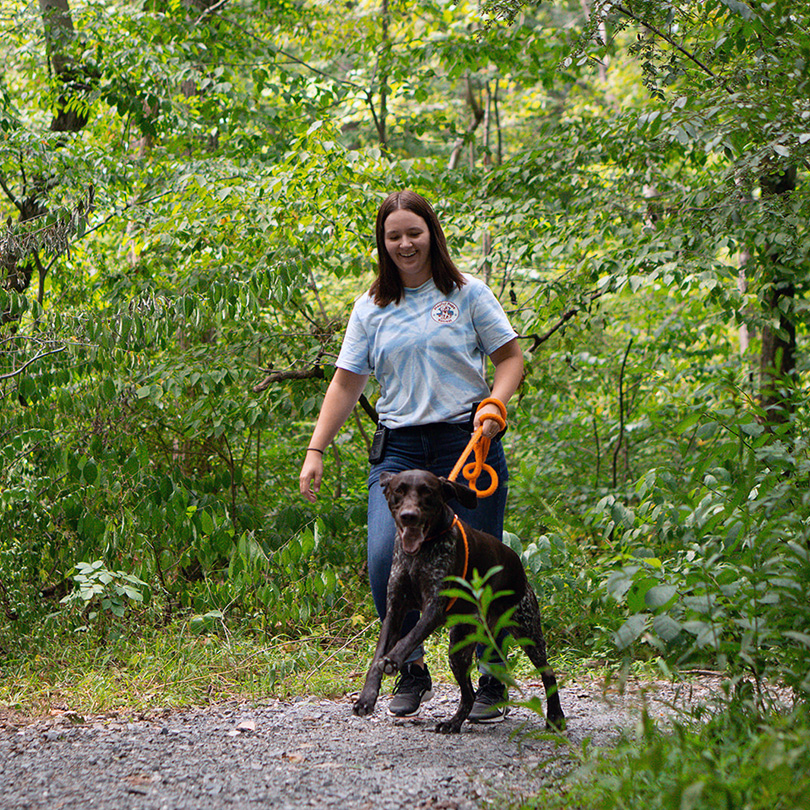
479, 444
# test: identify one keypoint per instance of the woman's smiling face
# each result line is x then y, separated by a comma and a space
407, 240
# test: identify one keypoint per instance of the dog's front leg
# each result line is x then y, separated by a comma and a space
367, 699
432, 616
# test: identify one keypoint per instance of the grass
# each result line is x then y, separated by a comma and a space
140, 668
154, 668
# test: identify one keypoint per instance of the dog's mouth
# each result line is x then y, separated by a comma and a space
412, 538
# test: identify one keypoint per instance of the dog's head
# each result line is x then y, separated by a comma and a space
418, 501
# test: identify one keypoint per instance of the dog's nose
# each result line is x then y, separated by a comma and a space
408, 517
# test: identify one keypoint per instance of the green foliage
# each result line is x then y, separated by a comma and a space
100, 591
631, 179
713, 562
482, 631
731, 760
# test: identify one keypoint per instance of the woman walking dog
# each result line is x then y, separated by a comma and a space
423, 330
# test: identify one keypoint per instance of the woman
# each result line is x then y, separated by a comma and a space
423, 329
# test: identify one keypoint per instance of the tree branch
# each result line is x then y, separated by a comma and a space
209, 11
9, 193
369, 408
688, 54
478, 117
538, 340
314, 373
24, 366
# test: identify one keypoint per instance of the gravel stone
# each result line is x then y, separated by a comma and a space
309, 753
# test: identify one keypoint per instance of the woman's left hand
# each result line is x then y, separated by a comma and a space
491, 427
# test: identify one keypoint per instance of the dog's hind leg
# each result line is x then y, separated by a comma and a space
460, 663
527, 619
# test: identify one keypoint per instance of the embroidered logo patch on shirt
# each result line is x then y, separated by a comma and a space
444, 312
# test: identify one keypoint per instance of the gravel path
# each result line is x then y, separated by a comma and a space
303, 754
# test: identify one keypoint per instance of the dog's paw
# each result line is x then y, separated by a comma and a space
362, 709
448, 727
556, 723
389, 667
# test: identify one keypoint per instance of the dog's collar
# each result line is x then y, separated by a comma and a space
450, 523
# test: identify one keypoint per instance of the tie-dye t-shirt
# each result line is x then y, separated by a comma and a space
427, 351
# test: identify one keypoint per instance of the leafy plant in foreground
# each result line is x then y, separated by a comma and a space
733, 591
733, 760
101, 593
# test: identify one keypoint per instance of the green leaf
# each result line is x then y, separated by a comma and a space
802, 638
90, 472
689, 422
637, 595
630, 630
666, 627
738, 8
660, 596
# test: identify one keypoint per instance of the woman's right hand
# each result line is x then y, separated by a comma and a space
311, 475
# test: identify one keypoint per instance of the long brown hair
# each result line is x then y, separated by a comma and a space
388, 287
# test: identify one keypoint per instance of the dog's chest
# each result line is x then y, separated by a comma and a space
424, 574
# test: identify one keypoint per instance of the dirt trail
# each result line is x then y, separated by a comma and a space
306, 754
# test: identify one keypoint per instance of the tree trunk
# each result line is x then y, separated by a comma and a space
778, 354
73, 78
31, 202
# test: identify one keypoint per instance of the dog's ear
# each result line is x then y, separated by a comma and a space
385, 478
463, 494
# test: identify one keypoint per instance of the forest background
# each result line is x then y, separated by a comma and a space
188, 192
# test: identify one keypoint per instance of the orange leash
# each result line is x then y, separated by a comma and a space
457, 522
480, 445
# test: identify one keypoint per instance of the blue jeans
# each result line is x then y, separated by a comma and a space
435, 448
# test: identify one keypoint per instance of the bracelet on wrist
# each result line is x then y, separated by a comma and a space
315, 450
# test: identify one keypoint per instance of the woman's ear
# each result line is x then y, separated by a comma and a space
463, 494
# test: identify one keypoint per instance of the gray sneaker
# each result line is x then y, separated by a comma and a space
412, 688
490, 701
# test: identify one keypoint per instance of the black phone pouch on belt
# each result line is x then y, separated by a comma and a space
378, 444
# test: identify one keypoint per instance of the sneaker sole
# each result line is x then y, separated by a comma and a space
426, 697
485, 721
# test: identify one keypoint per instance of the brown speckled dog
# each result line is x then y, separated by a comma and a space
430, 547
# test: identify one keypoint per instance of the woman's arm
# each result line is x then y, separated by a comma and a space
508, 362
341, 397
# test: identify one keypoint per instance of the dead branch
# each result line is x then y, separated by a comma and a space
53, 239
538, 340
314, 373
